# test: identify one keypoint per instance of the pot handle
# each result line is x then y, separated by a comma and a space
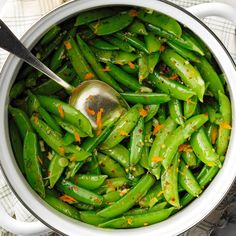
214, 9
19, 227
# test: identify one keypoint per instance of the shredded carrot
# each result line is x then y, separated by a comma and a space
133, 12
131, 65
157, 128
106, 69
225, 125
90, 111
143, 112
68, 199
88, 76
60, 110
73, 158
67, 45
109, 183
173, 77
162, 48
40, 160
214, 135
61, 151
123, 133
99, 121
157, 159
77, 137
130, 221
185, 148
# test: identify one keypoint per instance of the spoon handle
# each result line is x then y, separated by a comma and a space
9, 42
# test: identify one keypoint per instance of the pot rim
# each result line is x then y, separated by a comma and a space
172, 226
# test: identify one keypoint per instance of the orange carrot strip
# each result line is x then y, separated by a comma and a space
157, 128
90, 111
61, 112
68, 199
67, 45
89, 76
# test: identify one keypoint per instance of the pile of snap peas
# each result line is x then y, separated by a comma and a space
152, 161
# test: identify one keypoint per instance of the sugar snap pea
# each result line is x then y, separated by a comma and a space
50, 35
31, 163
137, 27
66, 112
190, 107
102, 44
152, 42
152, 111
145, 98
111, 24
175, 109
152, 60
17, 89
90, 217
123, 127
135, 221
129, 200
190, 76
190, 158
143, 67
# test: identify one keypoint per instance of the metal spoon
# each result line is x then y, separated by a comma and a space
88, 96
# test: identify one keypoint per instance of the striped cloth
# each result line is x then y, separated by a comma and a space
19, 15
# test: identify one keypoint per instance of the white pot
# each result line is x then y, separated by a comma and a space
176, 224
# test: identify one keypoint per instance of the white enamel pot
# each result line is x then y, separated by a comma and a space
52, 219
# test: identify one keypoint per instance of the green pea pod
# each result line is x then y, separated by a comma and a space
204, 150
145, 98
50, 35
152, 111
31, 163
212, 132
190, 159
92, 15
123, 45
57, 58
169, 182
129, 200
135, 221
56, 168
185, 53
111, 24
137, 27
16, 143
162, 113
83, 206
91, 143
90, 217
62, 206
139, 211
67, 112
125, 124
152, 42
124, 78
190, 76
21, 119
130, 69
68, 138
79, 194
210, 76
116, 57
162, 21
50, 87
154, 156
86, 34
137, 142
97, 67
188, 181
143, 67
175, 110
89, 181
224, 132
154, 195
110, 167
190, 107
77, 60
119, 153
17, 89
69, 128
99, 43
171, 87
179, 136
55, 141
49, 119
133, 41
152, 60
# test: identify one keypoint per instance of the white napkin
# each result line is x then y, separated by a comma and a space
19, 15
